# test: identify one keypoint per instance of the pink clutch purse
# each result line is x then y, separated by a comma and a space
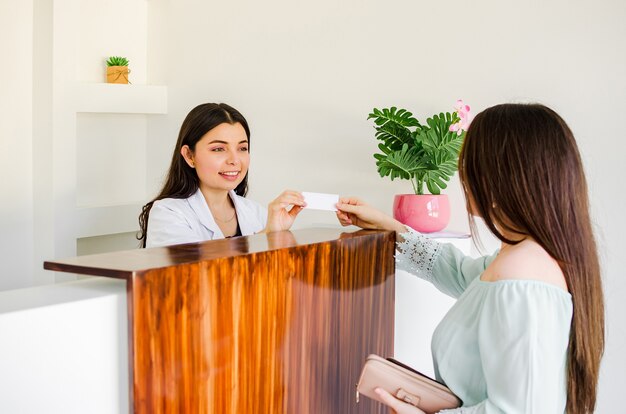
405, 384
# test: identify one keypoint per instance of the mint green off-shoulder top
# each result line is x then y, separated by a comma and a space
502, 347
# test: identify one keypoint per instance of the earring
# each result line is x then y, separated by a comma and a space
494, 205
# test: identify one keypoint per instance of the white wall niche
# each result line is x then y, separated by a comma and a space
111, 159
121, 99
106, 243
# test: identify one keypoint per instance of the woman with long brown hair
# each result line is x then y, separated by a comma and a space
203, 197
526, 334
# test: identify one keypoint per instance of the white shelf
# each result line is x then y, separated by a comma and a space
121, 99
99, 221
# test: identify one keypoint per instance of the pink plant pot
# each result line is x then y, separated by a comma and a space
424, 213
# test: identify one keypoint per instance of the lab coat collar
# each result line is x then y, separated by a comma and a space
201, 208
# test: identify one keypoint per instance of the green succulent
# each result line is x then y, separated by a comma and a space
117, 61
427, 155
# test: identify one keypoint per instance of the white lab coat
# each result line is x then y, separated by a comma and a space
187, 220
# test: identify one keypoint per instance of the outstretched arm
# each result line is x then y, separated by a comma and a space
441, 264
352, 211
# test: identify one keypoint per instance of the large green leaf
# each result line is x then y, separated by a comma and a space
438, 139
385, 150
441, 123
435, 170
399, 116
436, 181
398, 164
446, 167
394, 135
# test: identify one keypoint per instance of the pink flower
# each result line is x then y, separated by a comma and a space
456, 128
465, 117
461, 108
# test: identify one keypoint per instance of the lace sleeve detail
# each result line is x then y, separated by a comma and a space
480, 408
417, 254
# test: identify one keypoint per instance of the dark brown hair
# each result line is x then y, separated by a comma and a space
182, 181
520, 168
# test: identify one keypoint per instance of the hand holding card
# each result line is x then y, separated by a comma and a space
283, 210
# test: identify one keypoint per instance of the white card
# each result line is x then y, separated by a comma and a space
321, 201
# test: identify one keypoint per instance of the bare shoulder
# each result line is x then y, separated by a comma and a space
525, 261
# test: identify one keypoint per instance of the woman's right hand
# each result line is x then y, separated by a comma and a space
282, 212
352, 211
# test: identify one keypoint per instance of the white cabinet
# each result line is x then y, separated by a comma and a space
64, 348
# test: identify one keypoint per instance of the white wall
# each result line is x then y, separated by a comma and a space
306, 74
16, 159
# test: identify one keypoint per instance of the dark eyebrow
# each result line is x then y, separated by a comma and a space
217, 141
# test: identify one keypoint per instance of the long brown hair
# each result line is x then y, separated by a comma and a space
520, 168
182, 181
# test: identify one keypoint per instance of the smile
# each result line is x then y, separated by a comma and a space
230, 175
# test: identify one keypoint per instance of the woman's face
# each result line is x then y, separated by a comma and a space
220, 158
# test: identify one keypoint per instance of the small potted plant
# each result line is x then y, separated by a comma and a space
117, 70
427, 155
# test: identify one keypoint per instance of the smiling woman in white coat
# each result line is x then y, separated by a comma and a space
203, 197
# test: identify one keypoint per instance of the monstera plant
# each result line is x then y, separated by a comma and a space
425, 154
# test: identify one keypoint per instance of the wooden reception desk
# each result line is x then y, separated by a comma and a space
270, 323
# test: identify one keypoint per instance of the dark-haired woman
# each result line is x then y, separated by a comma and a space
204, 194
526, 334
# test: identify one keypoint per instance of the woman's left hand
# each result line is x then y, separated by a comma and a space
399, 407
279, 217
